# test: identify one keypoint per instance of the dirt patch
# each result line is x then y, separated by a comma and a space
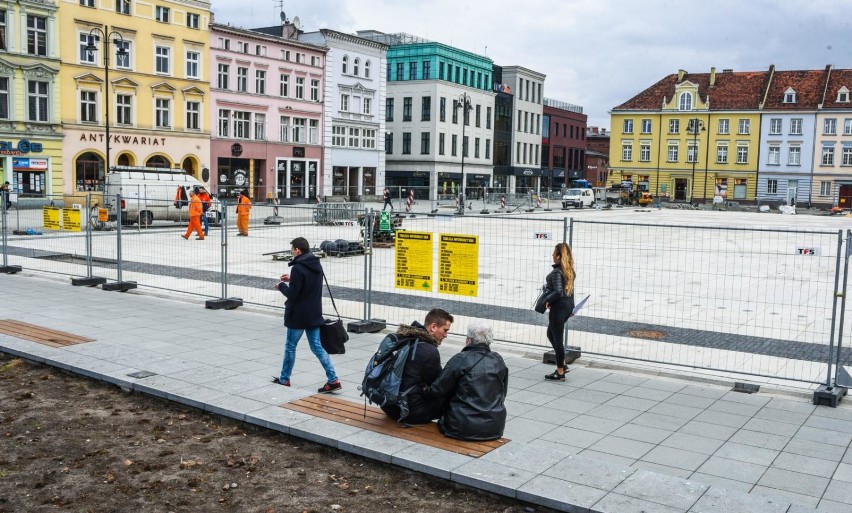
74, 444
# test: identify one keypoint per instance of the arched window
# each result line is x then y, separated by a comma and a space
355, 66
158, 161
367, 69
89, 172
345, 64
124, 160
685, 101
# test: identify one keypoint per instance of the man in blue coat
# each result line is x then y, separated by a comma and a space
303, 312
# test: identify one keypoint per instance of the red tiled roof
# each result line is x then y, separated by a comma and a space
808, 85
732, 90
838, 79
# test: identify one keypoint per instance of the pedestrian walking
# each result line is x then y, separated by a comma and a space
303, 312
388, 202
560, 304
195, 213
5, 195
206, 201
243, 211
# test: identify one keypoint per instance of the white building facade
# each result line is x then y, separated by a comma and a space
528, 89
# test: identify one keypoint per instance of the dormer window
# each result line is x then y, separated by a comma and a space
843, 95
790, 95
685, 101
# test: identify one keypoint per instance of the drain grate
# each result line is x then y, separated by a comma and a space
649, 334
142, 374
746, 388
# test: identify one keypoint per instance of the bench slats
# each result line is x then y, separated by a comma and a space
352, 413
40, 334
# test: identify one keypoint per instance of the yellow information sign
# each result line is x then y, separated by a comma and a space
413, 266
50, 218
71, 219
458, 264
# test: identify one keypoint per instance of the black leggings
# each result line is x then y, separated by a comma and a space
556, 318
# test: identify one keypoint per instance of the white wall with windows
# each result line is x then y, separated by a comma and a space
528, 90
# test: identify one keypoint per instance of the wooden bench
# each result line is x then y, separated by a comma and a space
42, 335
352, 413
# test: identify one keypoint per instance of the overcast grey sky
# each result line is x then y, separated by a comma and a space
595, 53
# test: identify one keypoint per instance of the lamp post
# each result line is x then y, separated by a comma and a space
464, 104
696, 126
91, 47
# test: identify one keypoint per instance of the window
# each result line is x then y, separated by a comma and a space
724, 126
162, 110
368, 142
794, 156
424, 143
399, 71
488, 148
222, 77
260, 127
790, 96
774, 157
427, 70
685, 101
122, 61
441, 140
828, 156
224, 122
192, 61
314, 89
284, 85
36, 35
825, 188
406, 143
300, 88
454, 143
829, 126
846, 158
775, 126
284, 129
772, 186
162, 53
441, 70
476, 148
122, 6
674, 126
242, 122
345, 65
367, 69
389, 143
722, 154
692, 152
2, 30
847, 126
344, 102
646, 126
628, 126
742, 154
672, 153
389, 109
626, 152
465, 146
442, 109
88, 107
796, 126
426, 108
299, 127
123, 109
260, 81
193, 115
488, 118
192, 20
242, 79
368, 105
87, 57
162, 14
478, 113
645, 152
412, 70
406, 108
843, 95
338, 136
355, 65
87, 3
743, 126
37, 101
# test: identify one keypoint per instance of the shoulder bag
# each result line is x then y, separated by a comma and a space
333, 335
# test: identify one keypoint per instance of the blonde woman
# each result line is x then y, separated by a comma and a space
561, 305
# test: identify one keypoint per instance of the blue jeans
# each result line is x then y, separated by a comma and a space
205, 223
293, 337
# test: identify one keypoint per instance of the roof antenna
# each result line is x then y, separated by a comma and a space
280, 5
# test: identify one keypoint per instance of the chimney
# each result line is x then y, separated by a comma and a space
728, 70
713, 76
680, 74
288, 30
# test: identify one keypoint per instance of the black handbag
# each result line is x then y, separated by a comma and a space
333, 335
544, 297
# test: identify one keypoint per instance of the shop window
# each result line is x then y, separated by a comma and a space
89, 172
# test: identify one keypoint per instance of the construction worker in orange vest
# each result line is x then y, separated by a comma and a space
243, 209
206, 201
196, 210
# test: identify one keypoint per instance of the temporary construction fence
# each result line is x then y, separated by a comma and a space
746, 301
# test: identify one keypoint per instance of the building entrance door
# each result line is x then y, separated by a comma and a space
844, 199
680, 187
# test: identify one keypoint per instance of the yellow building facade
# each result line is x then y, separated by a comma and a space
30, 129
155, 98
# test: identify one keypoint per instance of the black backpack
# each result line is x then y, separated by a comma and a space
383, 377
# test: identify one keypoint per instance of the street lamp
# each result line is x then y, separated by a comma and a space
696, 126
92, 48
463, 103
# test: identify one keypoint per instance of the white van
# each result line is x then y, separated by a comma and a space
578, 198
151, 194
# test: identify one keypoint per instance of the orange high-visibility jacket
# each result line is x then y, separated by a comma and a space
195, 207
244, 207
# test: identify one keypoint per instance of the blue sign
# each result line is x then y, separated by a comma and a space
23, 146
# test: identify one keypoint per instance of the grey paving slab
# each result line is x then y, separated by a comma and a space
669, 491
603, 457
775, 414
276, 418
772, 427
607, 386
651, 394
762, 440
722, 418
676, 458
326, 432
617, 503
594, 424
805, 464
784, 495
558, 494
823, 436
590, 471
571, 405
693, 401
631, 403
525, 396
747, 453
676, 410
838, 491
661, 469
546, 414
373, 445
842, 412
732, 469
824, 506
721, 500
233, 406
842, 472
274, 394
693, 443
618, 446
814, 449
642, 433
522, 429
828, 423
747, 410
571, 436
605, 411
195, 395
721, 482
759, 400
532, 458
626, 379
429, 460
503, 479
658, 421
591, 396
663, 384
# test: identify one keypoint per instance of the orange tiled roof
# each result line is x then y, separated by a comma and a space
838, 79
808, 85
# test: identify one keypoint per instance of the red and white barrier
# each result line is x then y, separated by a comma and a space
410, 200
503, 201
538, 202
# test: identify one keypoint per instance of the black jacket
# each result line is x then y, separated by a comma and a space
420, 371
475, 381
303, 307
556, 282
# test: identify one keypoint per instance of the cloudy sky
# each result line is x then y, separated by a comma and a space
595, 53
